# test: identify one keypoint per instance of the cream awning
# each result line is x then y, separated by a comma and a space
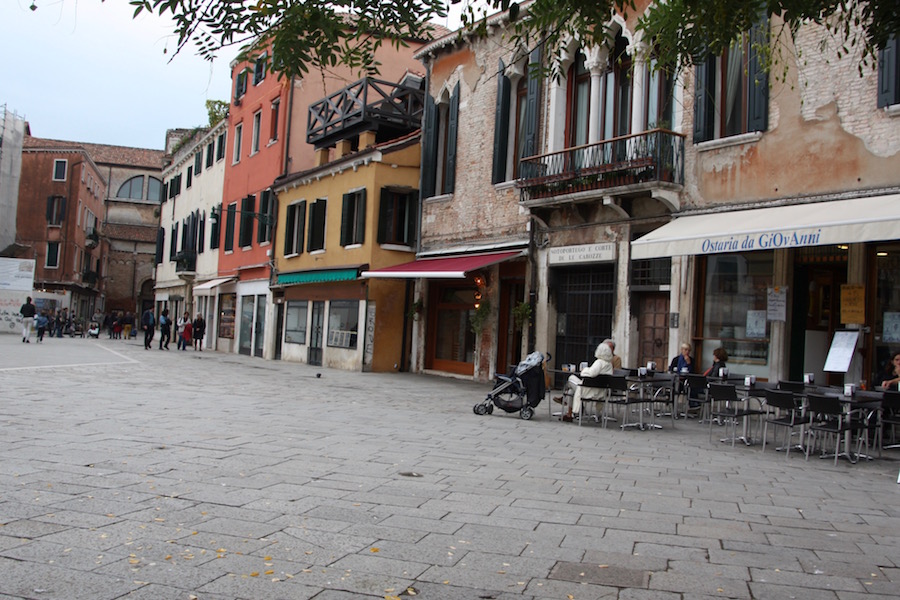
868, 219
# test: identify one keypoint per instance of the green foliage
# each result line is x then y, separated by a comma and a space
217, 110
303, 34
521, 314
480, 316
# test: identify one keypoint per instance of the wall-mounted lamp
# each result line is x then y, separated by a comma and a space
477, 299
479, 280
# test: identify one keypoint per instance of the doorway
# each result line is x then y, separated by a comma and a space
653, 329
315, 334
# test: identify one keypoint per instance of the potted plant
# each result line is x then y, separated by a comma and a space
521, 314
480, 316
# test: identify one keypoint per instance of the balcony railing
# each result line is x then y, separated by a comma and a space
89, 277
365, 104
186, 261
651, 157
92, 239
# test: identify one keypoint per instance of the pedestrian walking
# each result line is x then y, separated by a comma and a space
127, 325
199, 331
27, 311
165, 329
41, 321
147, 323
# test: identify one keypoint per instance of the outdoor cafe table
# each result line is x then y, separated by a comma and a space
646, 387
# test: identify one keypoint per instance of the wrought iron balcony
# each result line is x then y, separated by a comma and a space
89, 277
186, 261
92, 239
367, 104
645, 160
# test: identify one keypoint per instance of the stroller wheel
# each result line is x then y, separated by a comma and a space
490, 409
526, 413
479, 409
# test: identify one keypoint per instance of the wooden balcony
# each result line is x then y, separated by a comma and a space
389, 109
628, 164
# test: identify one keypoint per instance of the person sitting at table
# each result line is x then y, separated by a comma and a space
891, 375
616, 360
682, 361
601, 366
719, 358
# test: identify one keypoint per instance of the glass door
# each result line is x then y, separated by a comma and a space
246, 341
315, 333
259, 327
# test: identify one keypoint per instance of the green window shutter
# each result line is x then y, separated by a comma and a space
229, 227
50, 203
347, 219
384, 216
264, 225
758, 79
429, 148
889, 73
704, 100
300, 229
160, 241
501, 126
290, 222
452, 125
532, 108
360, 217
316, 232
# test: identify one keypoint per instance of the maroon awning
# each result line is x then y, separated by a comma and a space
445, 267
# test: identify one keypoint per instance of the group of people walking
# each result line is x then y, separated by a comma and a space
53, 323
188, 332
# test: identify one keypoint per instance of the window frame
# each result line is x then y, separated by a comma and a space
238, 134
348, 335
254, 138
64, 164
398, 224
295, 228
273, 121
220, 146
299, 332
317, 225
353, 218
56, 254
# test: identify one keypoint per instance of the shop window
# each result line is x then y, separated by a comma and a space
295, 321
227, 304
133, 188
343, 323
731, 94
397, 217
353, 218
294, 228
735, 292
454, 340
886, 320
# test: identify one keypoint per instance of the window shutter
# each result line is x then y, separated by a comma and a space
62, 209
290, 222
704, 99
410, 203
50, 209
501, 126
452, 124
160, 241
229, 227
532, 108
384, 216
889, 73
265, 210
758, 79
300, 230
346, 223
201, 233
360, 217
429, 148
316, 232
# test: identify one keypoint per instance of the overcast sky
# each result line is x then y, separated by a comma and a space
84, 70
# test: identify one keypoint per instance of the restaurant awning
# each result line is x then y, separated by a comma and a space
212, 283
868, 219
318, 276
445, 267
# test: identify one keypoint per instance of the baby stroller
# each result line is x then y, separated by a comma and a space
521, 390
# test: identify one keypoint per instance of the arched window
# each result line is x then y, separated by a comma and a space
154, 189
133, 188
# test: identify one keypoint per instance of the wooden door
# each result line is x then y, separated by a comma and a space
653, 330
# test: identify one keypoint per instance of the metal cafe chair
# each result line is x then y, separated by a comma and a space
787, 412
726, 406
827, 418
696, 389
890, 416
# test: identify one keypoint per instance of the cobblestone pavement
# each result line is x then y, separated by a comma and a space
128, 473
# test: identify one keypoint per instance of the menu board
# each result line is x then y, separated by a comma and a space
226, 315
841, 352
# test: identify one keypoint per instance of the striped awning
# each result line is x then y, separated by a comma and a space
318, 276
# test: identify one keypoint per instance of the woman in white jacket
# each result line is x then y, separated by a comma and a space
601, 366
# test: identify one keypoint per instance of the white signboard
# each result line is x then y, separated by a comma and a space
586, 253
776, 304
841, 352
756, 324
17, 274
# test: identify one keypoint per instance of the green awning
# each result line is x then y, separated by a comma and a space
320, 276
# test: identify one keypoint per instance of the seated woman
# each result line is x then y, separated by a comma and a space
719, 358
602, 366
891, 376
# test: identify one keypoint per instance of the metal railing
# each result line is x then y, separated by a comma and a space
653, 156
